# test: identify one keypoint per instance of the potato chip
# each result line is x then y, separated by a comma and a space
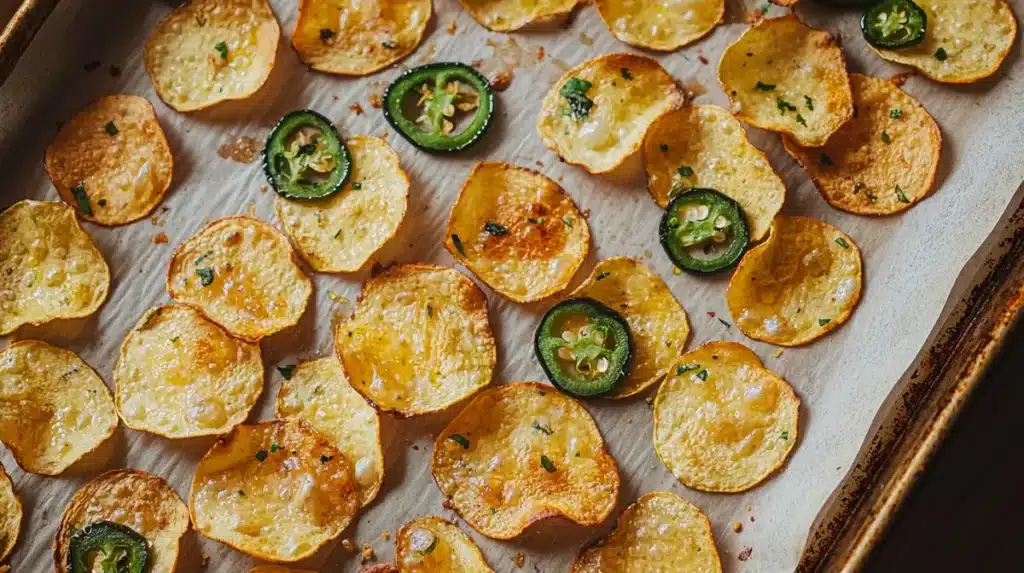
380, 568
523, 452
111, 161
276, 569
656, 320
277, 490
319, 393
658, 532
181, 376
209, 51
133, 498
596, 115
974, 39
880, 162
240, 272
54, 408
431, 544
509, 15
783, 76
517, 231
419, 340
341, 232
10, 515
51, 266
658, 25
357, 38
704, 146
722, 421
799, 284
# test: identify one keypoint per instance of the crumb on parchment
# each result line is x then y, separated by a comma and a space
519, 559
346, 544
356, 108
160, 239
737, 526
376, 101
451, 28
385, 535
745, 554
367, 553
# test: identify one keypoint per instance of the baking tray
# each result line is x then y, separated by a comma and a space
84, 52
20, 23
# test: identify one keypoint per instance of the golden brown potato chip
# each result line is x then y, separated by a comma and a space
657, 321
723, 422
357, 37
783, 76
240, 272
880, 162
708, 145
54, 408
520, 453
277, 490
658, 25
318, 392
658, 532
799, 284
181, 376
508, 15
132, 498
10, 515
431, 544
517, 231
419, 340
51, 267
597, 114
111, 161
209, 51
341, 232
974, 38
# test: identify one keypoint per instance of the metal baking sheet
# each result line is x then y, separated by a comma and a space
917, 265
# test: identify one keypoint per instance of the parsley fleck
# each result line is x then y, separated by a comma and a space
430, 310
842, 243
223, 49
261, 455
203, 257
492, 228
824, 321
886, 138
287, 371
546, 430
858, 186
326, 34
176, 339
761, 86
896, 113
546, 464
102, 202
602, 275
205, 276
357, 185
726, 324
784, 436
800, 119
703, 374
110, 128
684, 368
625, 74
83, 200
325, 459
685, 171
460, 440
784, 105
809, 102
901, 195
826, 160
458, 245
941, 54
389, 44
337, 233
568, 221
663, 147
274, 447
575, 93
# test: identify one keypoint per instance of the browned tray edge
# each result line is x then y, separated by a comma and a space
924, 413
19, 31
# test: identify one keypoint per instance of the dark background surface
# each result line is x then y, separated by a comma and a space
966, 513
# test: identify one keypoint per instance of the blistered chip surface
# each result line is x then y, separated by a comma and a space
658, 25
508, 15
430, 544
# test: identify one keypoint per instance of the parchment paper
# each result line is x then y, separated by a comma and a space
911, 262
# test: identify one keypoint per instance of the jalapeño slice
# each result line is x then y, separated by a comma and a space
117, 549
894, 24
584, 347
440, 107
703, 231
304, 157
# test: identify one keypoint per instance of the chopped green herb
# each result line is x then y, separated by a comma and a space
901, 195
261, 455
625, 74
784, 106
568, 221
287, 371
896, 113
941, 54
824, 321
842, 243
460, 440
858, 186
110, 128
203, 257
175, 339
764, 87
430, 310
357, 185
684, 368
784, 435
685, 171
389, 44
765, 6
872, 197
703, 374
458, 245
205, 276
274, 447
83, 199
536, 220
326, 34
325, 459
886, 138
546, 430
223, 49
492, 228
800, 119
102, 202
337, 233
826, 160
726, 324
241, 493
602, 275
546, 464
575, 93
663, 147
809, 102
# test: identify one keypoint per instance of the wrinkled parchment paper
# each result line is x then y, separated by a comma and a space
911, 262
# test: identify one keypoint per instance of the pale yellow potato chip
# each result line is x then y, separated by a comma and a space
798, 285
626, 94
883, 160
660, 25
711, 147
318, 392
341, 232
180, 375
277, 490
976, 36
358, 37
722, 421
431, 544
520, 453
54, 408
240, 272
111, 161
419, 340
10, 515
209, 51
656, 320
132, 498
782, 75
509, 15
517, 231
658, 533
50, 267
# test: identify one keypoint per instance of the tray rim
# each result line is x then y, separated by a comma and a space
17, 34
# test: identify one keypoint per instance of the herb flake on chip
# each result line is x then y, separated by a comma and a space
567, 221
274, 447
602, 275
222, 48
886, 138
684, 368
784, 106
896, 113
824, 321
685, 171
625, 74
287, 371
941, 54
547, 464
460, 440
389, 44
325, 459
544, 429
83, 199
809, 102
761, 86
703, 374
842, 243
458, 245
326, 34
901, 195
261, 455
110, 128
575, 93
205, 276
492, 228
800, 119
